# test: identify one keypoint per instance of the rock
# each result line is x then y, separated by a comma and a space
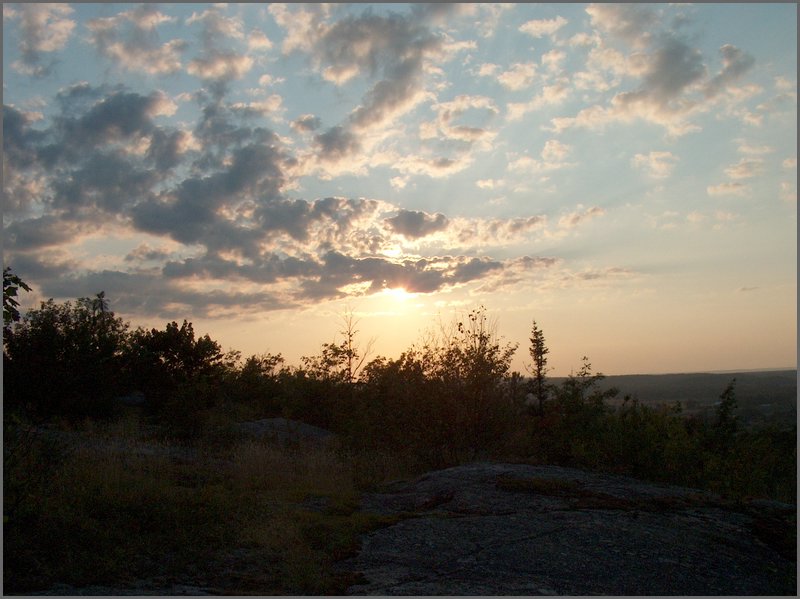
286, 431
513, 529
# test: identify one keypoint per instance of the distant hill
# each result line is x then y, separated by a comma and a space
762, 396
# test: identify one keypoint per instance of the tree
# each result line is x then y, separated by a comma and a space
64, 360
726, 423
340, 362
11, 284
539, 351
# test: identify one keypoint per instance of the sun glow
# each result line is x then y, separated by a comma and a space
397, 293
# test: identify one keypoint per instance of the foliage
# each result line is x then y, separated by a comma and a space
100, 516
181, 376
90, 514
11, 284
538, 351
65, 359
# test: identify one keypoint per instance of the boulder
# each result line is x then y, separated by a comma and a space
514, 529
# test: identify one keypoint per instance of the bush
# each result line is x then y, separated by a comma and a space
65, 359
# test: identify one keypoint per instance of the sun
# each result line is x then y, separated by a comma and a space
397, 293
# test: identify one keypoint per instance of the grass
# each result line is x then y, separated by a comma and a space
244, 518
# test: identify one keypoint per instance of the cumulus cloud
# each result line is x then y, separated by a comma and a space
658, 165
131, 41
673, 79
306, 122
414, 224
450, 115
723, 189
392, 52
215, 63
630, 22
735, 63
43, 29
225, 218
491, 14
573, 219
543, 27
746, 168
551, 95
519, 76
553, 154
144, 253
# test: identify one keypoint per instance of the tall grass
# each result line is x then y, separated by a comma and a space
118, 506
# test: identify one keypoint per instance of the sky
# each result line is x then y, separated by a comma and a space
624, 174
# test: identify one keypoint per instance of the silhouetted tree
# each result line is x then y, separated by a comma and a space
11, 284
539, 351
71, 358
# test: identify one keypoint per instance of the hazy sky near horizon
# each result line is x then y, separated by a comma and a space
624, 174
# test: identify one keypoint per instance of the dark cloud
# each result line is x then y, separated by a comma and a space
672, 68
307, 122
425, 275
165, 149
105, 181
336, 144
735, 63
413, 224
151, 294
118, 116
190, 212
39, 232
19, 138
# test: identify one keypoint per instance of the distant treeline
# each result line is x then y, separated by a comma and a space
448, 399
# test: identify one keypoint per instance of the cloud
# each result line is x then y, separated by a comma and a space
555, 151
735, 63
392, 52
271, 106
723, 189
450, 115
414, 224
490, 17
628, 22
144, 253
493, 232
490, 183
258, 41
554, 155
217, 64
658, 165
220, 66
573, 219
789, 191
43, 29
543, 27
130, 40
306, 122
335, 144
746, 168
753, 150
551, 95
518, 77
673, 80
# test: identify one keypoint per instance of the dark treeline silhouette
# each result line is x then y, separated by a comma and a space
448, 399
